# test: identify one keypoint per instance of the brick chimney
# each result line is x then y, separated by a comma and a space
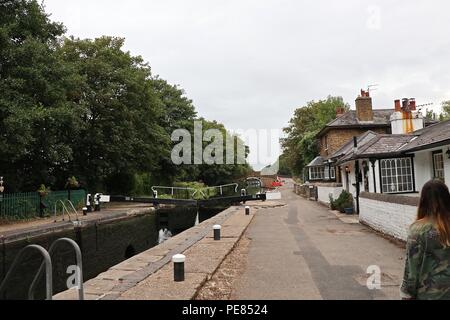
364, 111
340, 111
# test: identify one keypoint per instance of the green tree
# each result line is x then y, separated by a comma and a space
445, 110
35, 117
87, 108
119, 129
218, 174
178, 112
300, 146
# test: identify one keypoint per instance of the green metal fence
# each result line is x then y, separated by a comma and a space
21, 206
18, 206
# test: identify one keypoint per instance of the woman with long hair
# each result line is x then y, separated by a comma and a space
427, 270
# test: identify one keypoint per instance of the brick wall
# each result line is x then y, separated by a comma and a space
336, 138
390, 215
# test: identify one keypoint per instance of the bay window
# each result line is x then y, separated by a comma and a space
316, 173
397, 175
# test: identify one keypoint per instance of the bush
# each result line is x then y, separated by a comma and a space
344, 201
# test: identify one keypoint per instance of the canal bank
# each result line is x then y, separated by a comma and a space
106, 239
149, 275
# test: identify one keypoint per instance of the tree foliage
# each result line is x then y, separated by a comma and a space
300, 146
445, 115
87, 109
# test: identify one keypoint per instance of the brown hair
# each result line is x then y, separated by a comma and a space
435, 207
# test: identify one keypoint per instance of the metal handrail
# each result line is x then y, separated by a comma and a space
195, 191
224, 186
48, 269
79, 268
64, 209
73, 208
177, 188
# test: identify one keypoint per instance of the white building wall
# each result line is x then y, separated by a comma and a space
446, 165
324, 193
371, 178
423, 168
352, 178
389, 218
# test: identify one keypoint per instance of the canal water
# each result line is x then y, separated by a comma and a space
103, 246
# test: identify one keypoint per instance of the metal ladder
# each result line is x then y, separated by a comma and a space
47, 263
65, 210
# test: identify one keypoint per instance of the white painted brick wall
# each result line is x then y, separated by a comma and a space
324, 193
389, 218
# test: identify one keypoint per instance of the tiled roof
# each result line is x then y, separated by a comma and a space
319, 161
385, 144
429, 137
376, 145
380, 117
371, 145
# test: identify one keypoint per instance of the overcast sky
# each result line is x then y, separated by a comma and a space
249, 64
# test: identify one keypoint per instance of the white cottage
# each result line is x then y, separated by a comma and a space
386, 173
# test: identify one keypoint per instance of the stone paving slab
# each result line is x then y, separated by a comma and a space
129, 273
113, 274
206, 258
149, 275
162, 287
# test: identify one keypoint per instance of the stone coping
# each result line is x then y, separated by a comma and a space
392, 198
60, 226
149, 275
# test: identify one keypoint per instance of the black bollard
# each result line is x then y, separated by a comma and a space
89, 202
178, 267
217, 231
85, 211
97, 202
247, 210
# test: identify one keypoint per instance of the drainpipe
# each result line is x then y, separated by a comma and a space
357, 174
373, 162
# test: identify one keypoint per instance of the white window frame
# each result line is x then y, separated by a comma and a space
397, 175
316, 173
438, 165
332, 172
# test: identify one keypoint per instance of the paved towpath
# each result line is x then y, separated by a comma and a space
303, 251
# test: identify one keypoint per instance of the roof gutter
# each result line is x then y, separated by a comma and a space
428, 146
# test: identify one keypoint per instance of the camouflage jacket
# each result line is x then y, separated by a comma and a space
427, 270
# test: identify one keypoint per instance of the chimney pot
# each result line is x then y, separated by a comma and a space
412, 104
405, 102
340, 111
365, 94
398, 106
